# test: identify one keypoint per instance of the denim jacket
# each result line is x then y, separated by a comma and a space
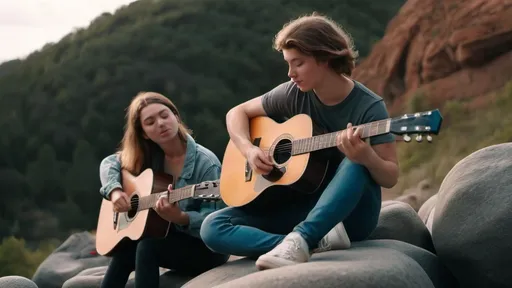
200, 165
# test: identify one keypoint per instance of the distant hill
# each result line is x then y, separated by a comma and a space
62, 108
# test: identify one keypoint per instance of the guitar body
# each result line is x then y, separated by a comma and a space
305, 159
132, 225
304, 173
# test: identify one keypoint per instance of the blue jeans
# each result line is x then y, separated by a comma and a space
351, 197
180, 252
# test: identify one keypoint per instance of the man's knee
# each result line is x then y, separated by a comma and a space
212, 228
353, 170
349, 164
208, 229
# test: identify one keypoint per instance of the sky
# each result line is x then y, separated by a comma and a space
27, 25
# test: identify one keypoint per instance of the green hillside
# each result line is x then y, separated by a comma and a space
62, 108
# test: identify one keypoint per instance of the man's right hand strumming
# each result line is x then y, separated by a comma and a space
259, 161
237, 121
120, 200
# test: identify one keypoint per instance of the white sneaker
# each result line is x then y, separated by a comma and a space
336, 239
292, 250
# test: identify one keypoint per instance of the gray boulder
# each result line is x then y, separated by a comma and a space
399, 221
16, 282
92, 277
89, 278
372, 263
76, 254
473, 216
438, 273
426, 212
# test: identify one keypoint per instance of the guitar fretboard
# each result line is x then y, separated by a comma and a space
149, 201
306, 145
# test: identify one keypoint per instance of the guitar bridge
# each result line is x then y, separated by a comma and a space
114, 220
248, 169
248, 172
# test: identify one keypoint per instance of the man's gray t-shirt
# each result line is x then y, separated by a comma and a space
359, 107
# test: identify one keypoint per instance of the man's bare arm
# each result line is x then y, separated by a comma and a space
237, 122
383, 164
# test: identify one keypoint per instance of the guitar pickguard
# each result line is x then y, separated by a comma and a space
261, 184
123, 221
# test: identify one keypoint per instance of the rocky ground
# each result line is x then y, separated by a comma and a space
459, 238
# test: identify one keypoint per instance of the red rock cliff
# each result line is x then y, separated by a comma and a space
452, 49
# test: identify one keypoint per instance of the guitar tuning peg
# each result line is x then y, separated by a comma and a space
419, 138
429, 138
407, 138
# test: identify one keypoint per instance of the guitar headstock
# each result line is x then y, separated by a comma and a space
207, 191
421, 123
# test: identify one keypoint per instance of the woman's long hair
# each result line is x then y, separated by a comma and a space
136, 150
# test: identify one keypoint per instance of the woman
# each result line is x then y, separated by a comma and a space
320, 58
156, 138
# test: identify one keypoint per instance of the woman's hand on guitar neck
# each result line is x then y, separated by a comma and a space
351, 144
259, 162
170, 211
120, 200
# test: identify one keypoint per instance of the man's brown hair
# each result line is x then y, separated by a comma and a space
318, 36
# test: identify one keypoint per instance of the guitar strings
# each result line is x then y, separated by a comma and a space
172, 198
288, 146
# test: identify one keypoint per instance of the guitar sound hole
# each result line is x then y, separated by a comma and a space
283, 151
135, 205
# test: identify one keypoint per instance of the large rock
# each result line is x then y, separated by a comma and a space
399, 221
16, 282
427, 211
92, 277
451, 49
372, 263
473, 216
76, 254
88, 278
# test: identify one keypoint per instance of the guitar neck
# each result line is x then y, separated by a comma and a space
176, 195
319, 142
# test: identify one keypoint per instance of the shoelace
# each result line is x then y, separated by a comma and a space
323, 245
284, 249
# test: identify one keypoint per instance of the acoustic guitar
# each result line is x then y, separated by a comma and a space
294, 152
141, 220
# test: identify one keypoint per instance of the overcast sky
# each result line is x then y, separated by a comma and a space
27, 25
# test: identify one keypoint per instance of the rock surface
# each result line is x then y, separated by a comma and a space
76, 254
471, 224
399, 221
16, 282
372, 263
451, 49
426, 212
92, 277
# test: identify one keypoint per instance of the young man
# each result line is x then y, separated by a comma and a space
321, 58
